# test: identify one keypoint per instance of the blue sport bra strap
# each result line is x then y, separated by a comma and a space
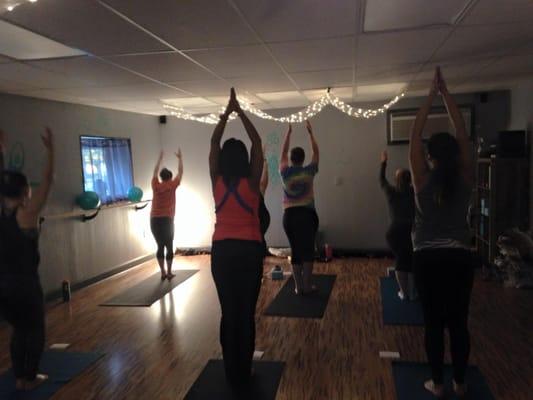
232, 190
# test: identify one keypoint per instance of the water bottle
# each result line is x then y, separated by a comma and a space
66, 291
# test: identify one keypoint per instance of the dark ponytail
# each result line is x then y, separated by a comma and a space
13, 184
444, 149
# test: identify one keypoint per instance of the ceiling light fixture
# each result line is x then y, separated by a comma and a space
298, 117
11, 5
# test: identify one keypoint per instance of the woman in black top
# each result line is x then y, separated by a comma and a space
442, 260
21, 295
401, 201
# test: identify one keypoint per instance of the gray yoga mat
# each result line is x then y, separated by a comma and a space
149, 291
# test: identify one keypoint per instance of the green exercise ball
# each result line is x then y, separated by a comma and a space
88, 200
135, 194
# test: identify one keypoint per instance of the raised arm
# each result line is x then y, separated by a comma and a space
38, 200
264, 175
314, 145
157, 166
284, 160
178, 177
384, 183
216, 137
256, 161
417, 161
467, 169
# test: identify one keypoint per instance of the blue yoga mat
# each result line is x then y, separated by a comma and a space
60, 366
409, 380
211, 384
396, 311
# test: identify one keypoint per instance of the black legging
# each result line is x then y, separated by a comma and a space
237, 268
163, 231
444, 280
22, 305
399, 240
301, 224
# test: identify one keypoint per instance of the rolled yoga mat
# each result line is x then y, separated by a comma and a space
149, 291
313, 305
409, 380
396, 311
60, 366
211, 384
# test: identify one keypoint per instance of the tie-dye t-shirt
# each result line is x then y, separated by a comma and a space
298, 185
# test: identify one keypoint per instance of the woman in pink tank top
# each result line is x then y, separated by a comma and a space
237, 251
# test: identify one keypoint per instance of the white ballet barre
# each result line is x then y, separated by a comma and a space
83, 214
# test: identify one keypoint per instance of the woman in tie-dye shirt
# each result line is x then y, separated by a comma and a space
300, 219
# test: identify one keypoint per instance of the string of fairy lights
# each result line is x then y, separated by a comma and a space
12, 4
328, 99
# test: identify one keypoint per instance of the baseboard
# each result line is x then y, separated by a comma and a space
57, 294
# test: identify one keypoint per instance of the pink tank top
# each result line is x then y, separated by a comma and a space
237, 214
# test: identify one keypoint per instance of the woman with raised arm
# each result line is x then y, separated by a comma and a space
21, 295
237, 250
300, 219
401, 201
163, 211
442, 259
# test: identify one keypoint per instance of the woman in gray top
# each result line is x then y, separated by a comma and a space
442, 259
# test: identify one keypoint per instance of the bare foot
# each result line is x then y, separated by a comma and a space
436, 389
39, 380
170, 275
459, 389
163, 276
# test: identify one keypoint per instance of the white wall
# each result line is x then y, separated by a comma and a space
353, 213
522, 119
71, 249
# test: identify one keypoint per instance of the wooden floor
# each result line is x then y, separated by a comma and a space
157, 352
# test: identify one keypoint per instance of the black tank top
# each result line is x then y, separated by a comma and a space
19, 249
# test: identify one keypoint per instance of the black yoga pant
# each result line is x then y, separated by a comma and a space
163, 231
237, 268
301, 224
22, 306
444, 280
399, 240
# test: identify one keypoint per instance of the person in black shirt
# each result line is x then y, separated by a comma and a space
400, 199
21, 295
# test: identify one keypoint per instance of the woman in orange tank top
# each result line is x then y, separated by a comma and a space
237, 250
162, 214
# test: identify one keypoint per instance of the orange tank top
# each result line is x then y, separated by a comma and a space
164, 198
236, 210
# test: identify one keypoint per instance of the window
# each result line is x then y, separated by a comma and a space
107, 167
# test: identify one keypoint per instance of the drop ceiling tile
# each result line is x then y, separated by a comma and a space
85, 25
262, 83
223, 100
509, 66
151, 107
386, 73
148, 91
498, 11
382, 90
11, 86
189, 24
399, 47
165, 67
315, 55
487, 40
37, 77
382, 15
323, 79
237, 62
91, 70
277, 21
343, 93
291, 97
49, 94
189, 102
211, 87
203, 110
460, 70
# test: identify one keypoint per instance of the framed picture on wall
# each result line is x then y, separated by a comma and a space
399, 123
